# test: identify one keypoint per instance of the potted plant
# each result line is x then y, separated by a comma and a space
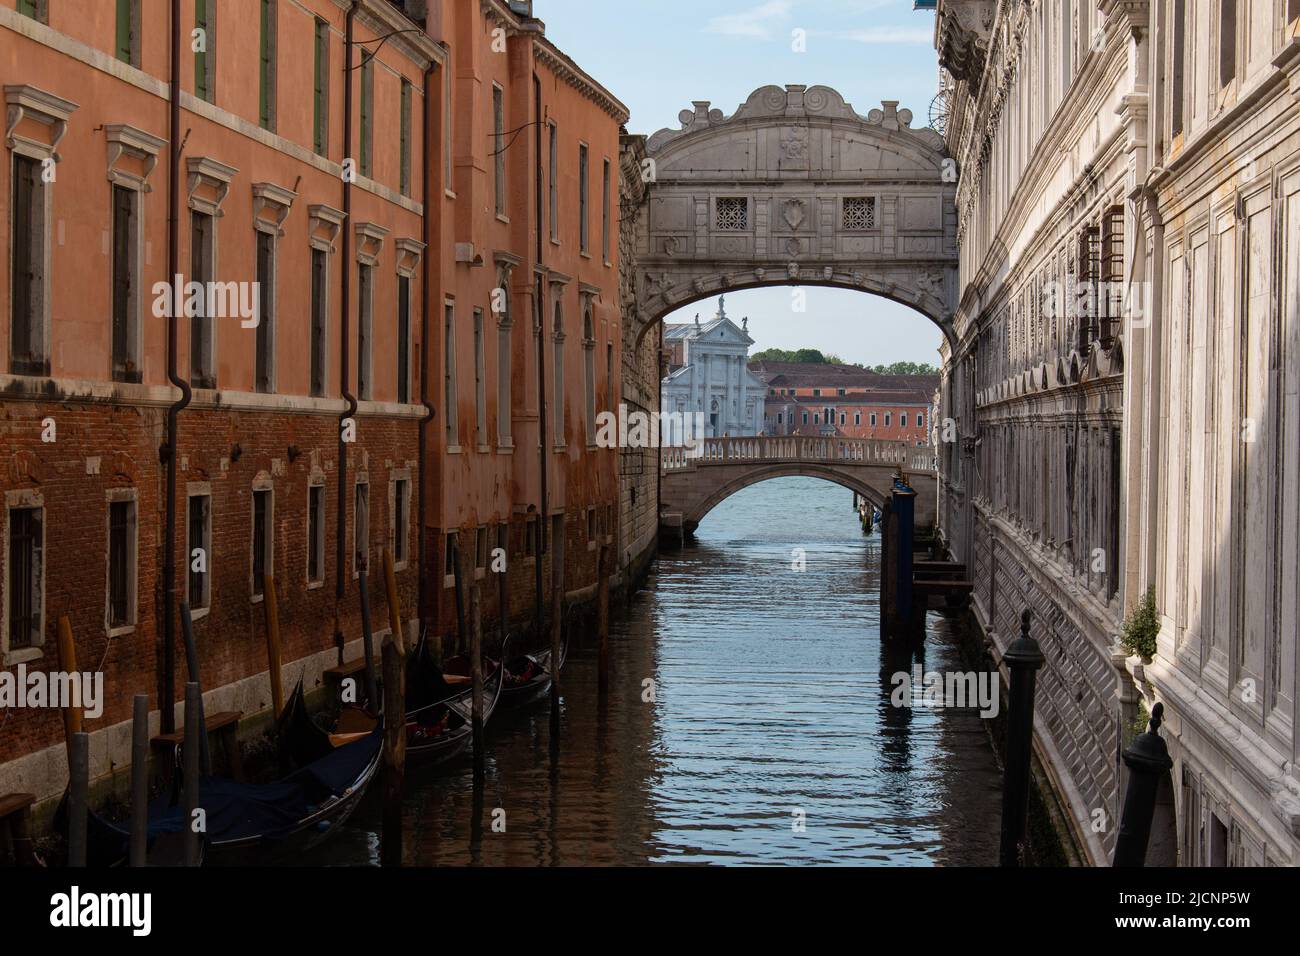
1141, 628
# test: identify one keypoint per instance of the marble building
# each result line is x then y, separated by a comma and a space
1142, 434
708, 373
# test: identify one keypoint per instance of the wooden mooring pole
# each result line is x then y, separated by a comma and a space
139, 847
72, 715
193, 838
394, 669
368, 644
192, 664
273, 655
78, 796
476, 671
602, 618
557, 624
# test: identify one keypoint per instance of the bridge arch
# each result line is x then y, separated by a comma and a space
691, 520
796, 188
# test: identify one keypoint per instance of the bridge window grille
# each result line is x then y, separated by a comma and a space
732, 214
859, 212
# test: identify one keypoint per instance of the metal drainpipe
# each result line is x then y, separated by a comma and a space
167, 694
422, 606
341, 509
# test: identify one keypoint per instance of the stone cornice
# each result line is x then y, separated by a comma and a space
565, 69
407, 36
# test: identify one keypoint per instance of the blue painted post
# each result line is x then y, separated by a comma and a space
904, 502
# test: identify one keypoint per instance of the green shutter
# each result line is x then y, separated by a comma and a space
201, 58
367, 94
406, 139
124, 52
27, 8
318, 106
264, 67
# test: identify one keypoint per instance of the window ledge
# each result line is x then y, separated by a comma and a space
315, 585
256, 599
453, 449
449, 580
559, 448
502, 217
22, 656
591, 544
554, 241
505, 449
199, 614
449, 194
123, 629
400, 566
483, 448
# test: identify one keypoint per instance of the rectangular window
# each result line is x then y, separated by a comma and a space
266, 67
403, 339
873, 419
315, 534
26, 566
604, 213
367, 108
902, 419
449, 374
203, 44
1176, 104
202, 368
365, 328
499, 148
841, 418
121, 563
480, 381
504, 439
126, 271
36, 9
552, 188
127, 47
27, 345
319, 319
1227, 41
450, 557
361, 529
920, 419
609, 377
1111, 301
401, 519
320, 92
261, 539
805, 418
731, 214
265, 359
404, 147
447, 129
200, 551
888, 418
857, 418
584, 229
557, 376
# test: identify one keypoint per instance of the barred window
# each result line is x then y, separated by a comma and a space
859, 212
733, 214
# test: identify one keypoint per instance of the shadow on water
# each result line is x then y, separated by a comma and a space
748, 721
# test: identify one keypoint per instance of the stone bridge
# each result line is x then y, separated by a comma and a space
694, 480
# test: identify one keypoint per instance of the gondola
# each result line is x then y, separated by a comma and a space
259, 822
439, 701
528, 676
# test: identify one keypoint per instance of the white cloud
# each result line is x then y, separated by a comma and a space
755, 23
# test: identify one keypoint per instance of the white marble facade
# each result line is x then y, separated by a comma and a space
1149, 149
713, 378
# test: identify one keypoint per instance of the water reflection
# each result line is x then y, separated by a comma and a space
746, 699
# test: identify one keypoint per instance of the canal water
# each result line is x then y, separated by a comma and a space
748, 722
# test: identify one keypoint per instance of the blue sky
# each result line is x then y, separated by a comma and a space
657, 56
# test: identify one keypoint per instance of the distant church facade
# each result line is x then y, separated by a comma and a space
708, 374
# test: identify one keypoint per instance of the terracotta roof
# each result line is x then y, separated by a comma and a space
807, 375
872, 397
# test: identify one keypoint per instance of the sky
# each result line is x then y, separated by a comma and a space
658, 56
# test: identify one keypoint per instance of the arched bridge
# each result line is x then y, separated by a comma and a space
695, 480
